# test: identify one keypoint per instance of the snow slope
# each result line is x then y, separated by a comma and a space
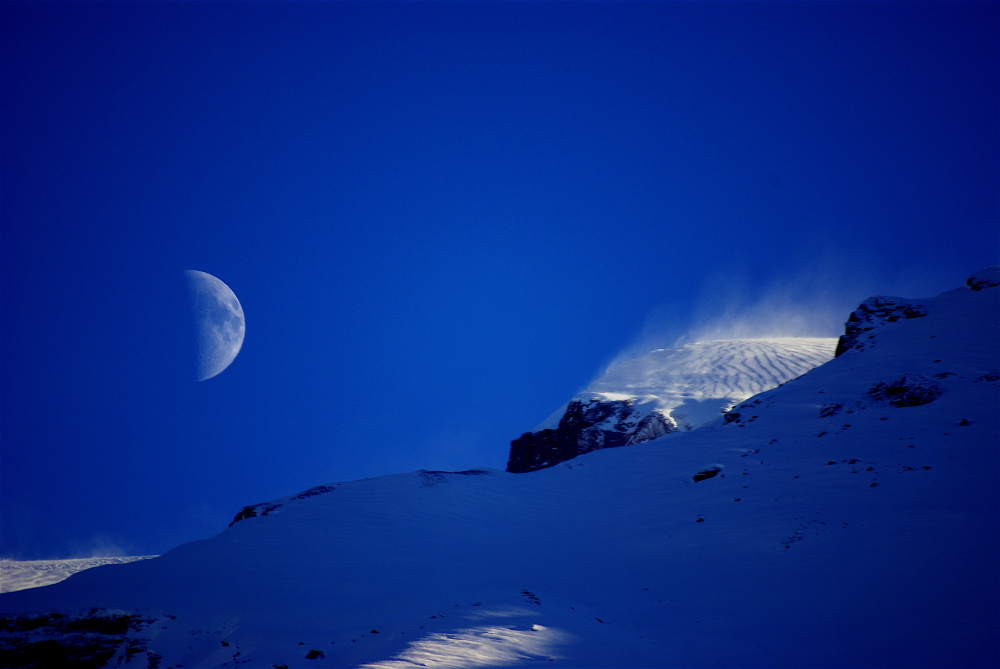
847, 518
22, 574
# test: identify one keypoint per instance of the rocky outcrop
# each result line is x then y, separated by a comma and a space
266, 508
876, 312
909, 390
586, 426
85, 640
426, 478
984, 278
873, 313
254, 510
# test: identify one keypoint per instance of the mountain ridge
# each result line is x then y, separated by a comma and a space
818, 524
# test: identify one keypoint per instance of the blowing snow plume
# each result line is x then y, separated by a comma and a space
807, 306
671, 381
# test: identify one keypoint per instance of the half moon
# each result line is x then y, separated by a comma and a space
218, 321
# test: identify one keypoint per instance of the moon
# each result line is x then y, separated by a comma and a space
218, 321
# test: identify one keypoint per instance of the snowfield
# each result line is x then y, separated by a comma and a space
23, 574
847, 518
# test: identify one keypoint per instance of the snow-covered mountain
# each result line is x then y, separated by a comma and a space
847, 518
665, 391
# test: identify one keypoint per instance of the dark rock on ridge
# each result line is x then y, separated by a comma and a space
988, 277
877, 311
264, 508
586, 426
427, 478
872, 313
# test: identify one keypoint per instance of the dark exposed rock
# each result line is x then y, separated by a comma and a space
876, 311
984, 278
87, 640
318, 490
910, 390
262, 509
531, 597
243, 514
654, 425
706, 474
872, 313
537, 450
587, 425
992, 377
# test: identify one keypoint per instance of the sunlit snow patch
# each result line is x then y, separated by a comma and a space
485, 646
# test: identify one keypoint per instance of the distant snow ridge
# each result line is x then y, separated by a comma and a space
719, 372
665, 391
22, 574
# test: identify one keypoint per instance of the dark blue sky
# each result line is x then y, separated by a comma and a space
441, 220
